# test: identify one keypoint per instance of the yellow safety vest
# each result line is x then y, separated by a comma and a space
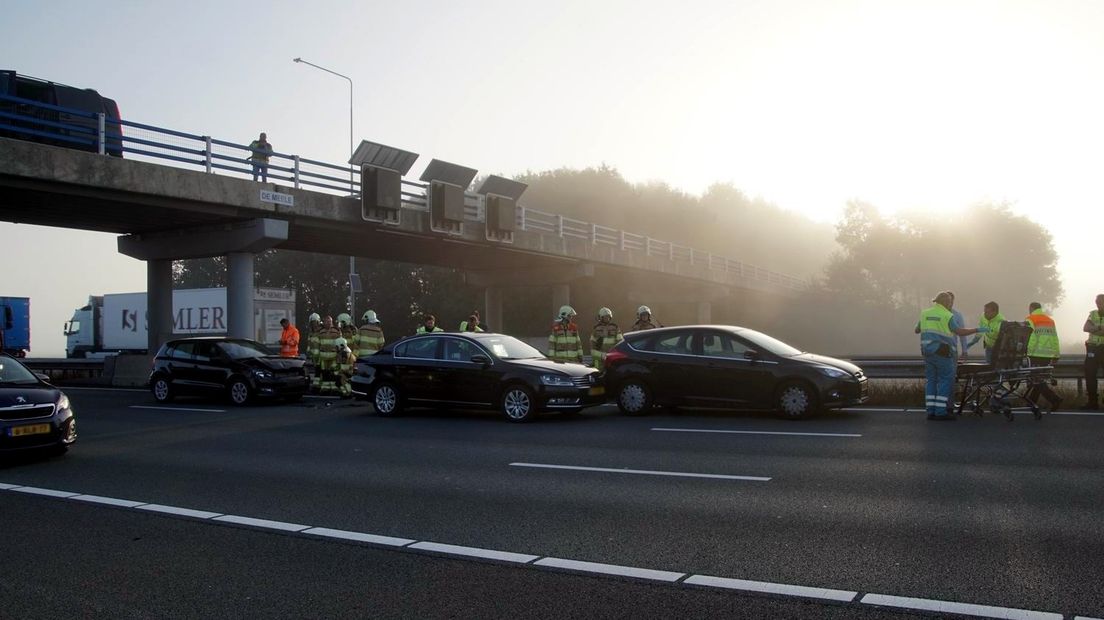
1044, 336
369, 339
604, 337
935, 329
1098, 320
994, 328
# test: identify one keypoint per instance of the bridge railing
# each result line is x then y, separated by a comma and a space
34, 120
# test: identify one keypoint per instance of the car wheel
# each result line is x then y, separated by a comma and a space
796, 400
386, 399
162, 390
239, 392
634, 398
517, 404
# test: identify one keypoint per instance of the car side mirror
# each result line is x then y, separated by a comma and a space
479, 358
42, 376
752, 355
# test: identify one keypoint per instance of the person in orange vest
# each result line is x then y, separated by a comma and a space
289, 339
1042, 350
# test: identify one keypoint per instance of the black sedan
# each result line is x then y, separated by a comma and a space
237, 368
721, 366
473, 370
34, 415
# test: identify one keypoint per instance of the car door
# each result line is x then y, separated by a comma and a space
462, 380
669, 358
212, 366
416, 368
732, 371
181, 365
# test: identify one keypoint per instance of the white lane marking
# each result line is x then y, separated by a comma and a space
173, 510
772, 588
1085, 413
1086, 618
611, 569
965, 609
888, 409
177, 409
46, 492
643, 472
359, 537
475, 552
4, 486
708, 430
110, 501
263, 523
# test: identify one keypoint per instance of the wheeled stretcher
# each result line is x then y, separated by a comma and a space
1003, 385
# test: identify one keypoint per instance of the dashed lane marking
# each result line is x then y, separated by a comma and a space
641, 472
709, 430
965, 609
178, 409
772, 588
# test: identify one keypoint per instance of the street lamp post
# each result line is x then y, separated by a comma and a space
352, 260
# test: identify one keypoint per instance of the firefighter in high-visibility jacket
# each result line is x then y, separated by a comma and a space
1042, 350
644, 320
314, 328
348, 330
369, 335
343, 375
327, 356
563, 343
605, 335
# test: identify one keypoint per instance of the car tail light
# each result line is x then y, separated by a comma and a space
615, 356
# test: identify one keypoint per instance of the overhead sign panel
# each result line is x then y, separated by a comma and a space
453, 174
501, 186
382, 156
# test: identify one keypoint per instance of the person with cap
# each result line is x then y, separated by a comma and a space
938, 327
603, 337
563, 342
1042, 350
644, 320
369, 334
429, 325
1094, 354
289, 339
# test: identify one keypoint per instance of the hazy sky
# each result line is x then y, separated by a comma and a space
807, 104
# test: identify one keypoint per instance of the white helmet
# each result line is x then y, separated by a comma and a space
605, 312
370, 316
642, 310
344, 319
566, 312
341, 343
314, 318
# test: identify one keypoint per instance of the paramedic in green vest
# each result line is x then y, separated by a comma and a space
429, 325
991, 318
1094, 353
1042, 350
938, 328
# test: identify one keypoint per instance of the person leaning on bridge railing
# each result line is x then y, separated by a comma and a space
1094, 353
261, 150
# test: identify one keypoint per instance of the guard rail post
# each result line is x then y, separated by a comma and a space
296, 172
207, 153
101, 134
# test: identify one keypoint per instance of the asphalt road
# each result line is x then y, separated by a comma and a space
321, 509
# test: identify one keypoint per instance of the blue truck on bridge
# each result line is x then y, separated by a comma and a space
15, 325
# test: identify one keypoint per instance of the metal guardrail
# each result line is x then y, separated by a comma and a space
1067, 367
34, 119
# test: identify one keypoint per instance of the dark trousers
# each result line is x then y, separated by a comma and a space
260, 168
1093, 364
1042, 389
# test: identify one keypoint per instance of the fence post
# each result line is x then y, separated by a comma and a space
296, 171
521, 212
670, 251
593, 234
559, 225
101, 134
622, 240
207, 153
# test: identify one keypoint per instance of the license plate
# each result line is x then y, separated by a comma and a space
596, 391
33, 429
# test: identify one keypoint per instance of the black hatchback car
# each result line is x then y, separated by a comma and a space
34, 415
474, 370
238, 368
721, 366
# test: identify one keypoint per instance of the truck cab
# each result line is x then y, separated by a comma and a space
82, 329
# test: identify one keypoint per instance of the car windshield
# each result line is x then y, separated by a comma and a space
244, 349
14, 373
772, 345
509, 348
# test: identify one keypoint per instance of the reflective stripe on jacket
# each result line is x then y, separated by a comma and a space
369, 339
1098, 320
289, 342
990, 338
564, 344
935, 329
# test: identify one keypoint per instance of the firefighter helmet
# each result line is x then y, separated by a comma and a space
605, 313
370, 316
642, 310
344, 319
314, 318
566, 312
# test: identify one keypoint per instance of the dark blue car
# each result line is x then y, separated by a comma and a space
34, 415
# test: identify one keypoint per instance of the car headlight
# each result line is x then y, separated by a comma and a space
262, 374
63, 402
834, 373
556, 380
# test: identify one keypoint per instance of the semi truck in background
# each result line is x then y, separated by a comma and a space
15, 326
116, 323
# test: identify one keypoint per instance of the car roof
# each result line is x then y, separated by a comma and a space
211, 339
672, 328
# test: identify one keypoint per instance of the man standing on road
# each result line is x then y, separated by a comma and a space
429, 325
605, 336
1094, 353
327, 355
370, 335
1042, 350
261, 150
314, 328
563, 342
644, 320
938, 328
289, 339
991, 318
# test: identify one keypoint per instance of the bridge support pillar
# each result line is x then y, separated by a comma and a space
159, 303
492, 302
239, 295
705, 312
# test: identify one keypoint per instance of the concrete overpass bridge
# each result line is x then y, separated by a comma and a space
169, 212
